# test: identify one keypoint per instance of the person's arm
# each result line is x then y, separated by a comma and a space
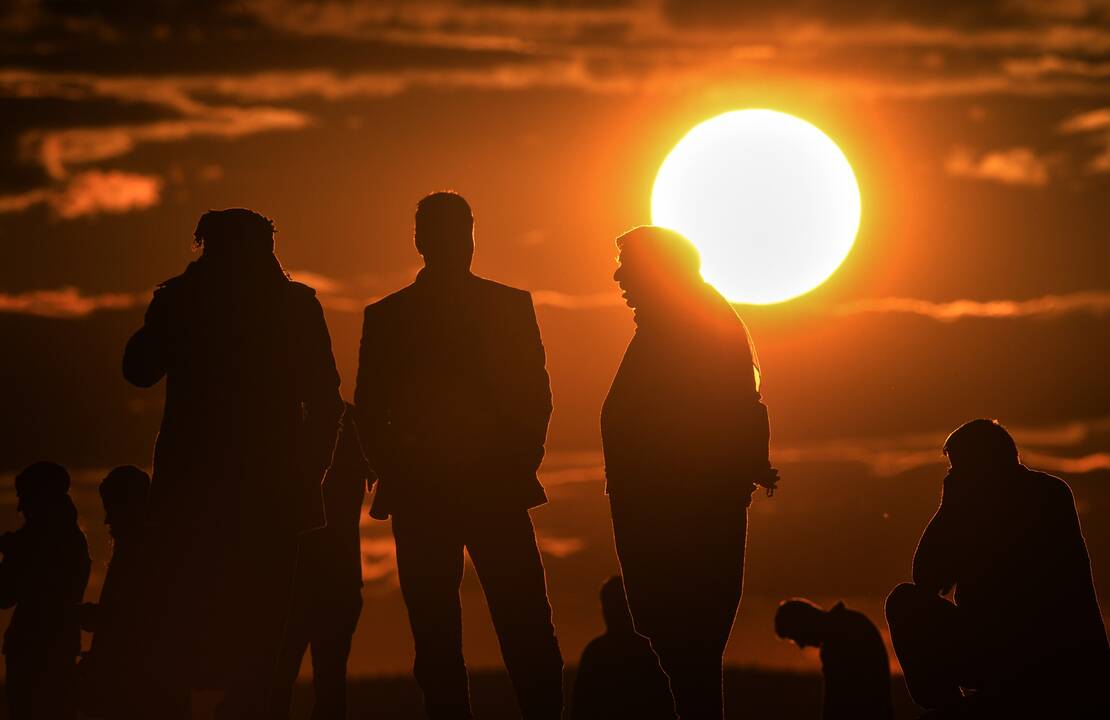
527, 389
934, 561
371, 399
146, 356
320, 393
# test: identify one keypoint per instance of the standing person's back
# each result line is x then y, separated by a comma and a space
452, 406
252, 411
43, 574
619, 676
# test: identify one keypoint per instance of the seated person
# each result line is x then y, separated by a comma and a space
619, 675
1025, 629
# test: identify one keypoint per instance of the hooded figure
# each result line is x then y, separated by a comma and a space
43, 574
619, 676
251, 416
685, 438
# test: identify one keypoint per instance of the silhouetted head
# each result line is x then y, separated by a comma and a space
801, 621
236, 237
981, 445
42, 491
124, 493
656, 263
614, 606
444, 231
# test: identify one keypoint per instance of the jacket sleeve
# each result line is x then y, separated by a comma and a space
146, 357
319, 388
526, 388
371, 411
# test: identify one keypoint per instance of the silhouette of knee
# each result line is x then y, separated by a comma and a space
903, 602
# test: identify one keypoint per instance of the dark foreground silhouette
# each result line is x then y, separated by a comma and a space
452, 405
43, 574
115, 681
619, 675
1025, 632
327, 588
251, 415
853, 658
685, 438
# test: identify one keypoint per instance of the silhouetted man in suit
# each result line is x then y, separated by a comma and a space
453, 403
327, 590
685, 438
619, 676
251, 416
1025, 631
43, 574
853, 658
115, 679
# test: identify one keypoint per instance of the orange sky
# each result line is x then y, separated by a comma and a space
979, 132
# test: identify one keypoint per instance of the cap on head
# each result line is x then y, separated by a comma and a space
661, 247
444, 229
981, 443
797, 619
125, 485
42, 479
234, 232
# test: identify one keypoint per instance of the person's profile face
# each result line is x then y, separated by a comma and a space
633, 278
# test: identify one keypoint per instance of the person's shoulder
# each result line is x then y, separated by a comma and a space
393, 302
1050, 486
501, 291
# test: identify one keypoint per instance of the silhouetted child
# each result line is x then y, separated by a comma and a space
619, 675
853, 657
114, 675
43, 574
1025, 632
327, 590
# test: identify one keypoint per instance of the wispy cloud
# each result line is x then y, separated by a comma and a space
90, 193
1013, 166
571, 301
67, 302
1096, 302
1093, 121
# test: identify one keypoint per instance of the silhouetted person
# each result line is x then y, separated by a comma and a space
453, 403
619, 676
1025, 630
327, 589
685, 438
115, 679
43, 574
251, 416
853, 658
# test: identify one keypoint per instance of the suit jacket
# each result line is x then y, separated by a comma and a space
252, 399
452, 399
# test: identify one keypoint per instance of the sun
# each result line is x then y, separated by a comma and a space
770, 201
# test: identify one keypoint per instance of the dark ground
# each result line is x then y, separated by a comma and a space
749, 695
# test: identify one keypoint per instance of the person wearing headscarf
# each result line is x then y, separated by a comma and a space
685, 436
251, 416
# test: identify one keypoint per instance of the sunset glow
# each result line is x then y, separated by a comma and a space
770, 201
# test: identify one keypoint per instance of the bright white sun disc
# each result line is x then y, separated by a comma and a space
770, 201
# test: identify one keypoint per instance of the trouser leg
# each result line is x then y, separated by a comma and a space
683, 574
331, 647
430, 568
924, 630
507, 559
289, 665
